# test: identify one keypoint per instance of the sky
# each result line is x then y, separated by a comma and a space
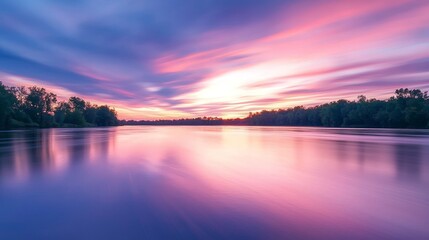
167, 59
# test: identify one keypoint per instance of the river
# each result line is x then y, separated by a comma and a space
214, 182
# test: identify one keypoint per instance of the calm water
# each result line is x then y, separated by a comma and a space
214, 183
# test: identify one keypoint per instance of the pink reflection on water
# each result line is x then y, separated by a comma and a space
299, 182
293, 178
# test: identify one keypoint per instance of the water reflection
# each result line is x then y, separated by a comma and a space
214, 183
408, 161
32, 152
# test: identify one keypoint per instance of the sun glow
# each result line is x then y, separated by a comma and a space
239, 86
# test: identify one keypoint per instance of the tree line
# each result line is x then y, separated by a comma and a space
22, 107
188, 121
408, 108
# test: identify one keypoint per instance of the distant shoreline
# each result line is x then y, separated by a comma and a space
236, 125
270, 126
407, 109
34, 107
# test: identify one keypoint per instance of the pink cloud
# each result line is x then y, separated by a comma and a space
323, 46
89, 73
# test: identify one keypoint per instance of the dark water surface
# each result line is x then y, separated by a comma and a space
214, 183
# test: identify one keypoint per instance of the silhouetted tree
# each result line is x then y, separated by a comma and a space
90, 113
77, 104
7, 101
106, 116
40, 106
75, 118
61, 111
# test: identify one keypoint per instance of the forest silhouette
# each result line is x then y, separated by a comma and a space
34, 107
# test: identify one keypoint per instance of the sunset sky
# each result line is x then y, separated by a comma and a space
174, 58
